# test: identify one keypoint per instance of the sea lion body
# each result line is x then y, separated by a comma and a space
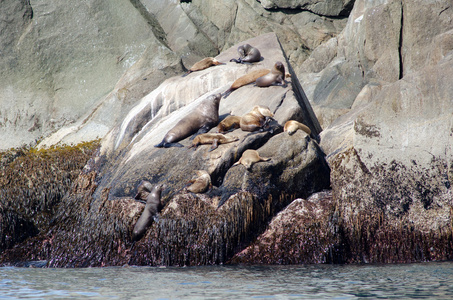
203, 64
229, 123
201, 184
247, 54
212, 138
143, 190
292, 126
249, 157
276, 76
248, 78
256, 119
201, 120
152, 207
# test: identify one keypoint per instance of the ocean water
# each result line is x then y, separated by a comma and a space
396, 281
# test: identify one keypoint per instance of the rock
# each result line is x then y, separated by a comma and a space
320, 7
251, 197
213, 225
366, 52
181, 34
149, 121
386, 109
305, 232
156, 64
32, 184
392, 157
61, 61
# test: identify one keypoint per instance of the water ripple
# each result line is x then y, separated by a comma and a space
408, 281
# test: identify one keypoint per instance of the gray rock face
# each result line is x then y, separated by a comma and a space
61, 60
390, 151
383, 98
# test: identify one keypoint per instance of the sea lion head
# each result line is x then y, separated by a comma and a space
263, 110
215, 98
244, 49
143, 189
279, 68
215, 62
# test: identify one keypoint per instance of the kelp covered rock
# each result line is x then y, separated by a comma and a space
32, 185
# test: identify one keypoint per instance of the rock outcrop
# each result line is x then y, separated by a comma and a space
380, 90
375, 95
231, 214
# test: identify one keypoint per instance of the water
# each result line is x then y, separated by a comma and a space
403, 281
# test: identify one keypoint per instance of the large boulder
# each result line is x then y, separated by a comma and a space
192, 229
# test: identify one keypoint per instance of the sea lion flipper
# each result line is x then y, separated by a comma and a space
168, 145
227, 93
203, 129
187, 73
215, 144
160, 145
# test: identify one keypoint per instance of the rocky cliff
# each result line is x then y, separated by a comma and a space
370, 78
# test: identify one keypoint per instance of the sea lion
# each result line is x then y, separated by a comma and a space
212, 138
276, 76
249, 157
143, 190
245, 79
292, 126
247, 54
152, 207
203, 64
229, 123
200, 184
201, 120
256, 119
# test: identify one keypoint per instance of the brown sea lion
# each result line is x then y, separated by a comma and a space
203, 64
292, 126
152, 207
229, 123
143, 190
276, 76
201, 120
200, 184
256, 119
247, 54
212, 138
248, 78
249, 157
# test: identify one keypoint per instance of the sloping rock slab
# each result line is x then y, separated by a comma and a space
129, 150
